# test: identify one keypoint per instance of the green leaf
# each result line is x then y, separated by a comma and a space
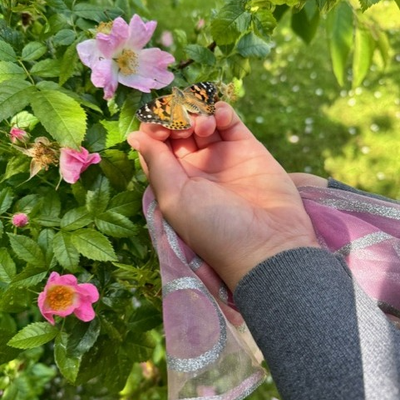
26, 249
250, 45
62, 117
96, 12
16, 165
7, 353
47, 68
126, 203
64, 37
365, 4
265, 22
66, 253
114, 135
200, 54
6, 199
127, 119
34, 335
68, 366
7, 266
240, 66
398, 3
33, 50
383, 46
9, 70
93, 245
139, 346
97, 200
30, 276
75, 219
7, 53
305, 22
117, 168
115, 225
83, 337
230, 21
45, 242
340, 38
15, 94
364, 46
326, 5
145, 318
24, 120
68, 63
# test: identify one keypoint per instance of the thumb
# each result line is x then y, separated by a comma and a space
164, 171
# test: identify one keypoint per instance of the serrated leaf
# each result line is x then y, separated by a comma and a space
14, 299
117, 168
127, 120
145, 318
7, 53
340, 37
62, 117
68, 366
364, 46
305, 22
26, 249
326, 5
230, 21
24, 120
30, 276
200, 54
7, 266
64, 37
240, 66
10, 70
47, 68
93, 245
365, 4
250, 45
33, 50
33, 335
64, 250
115, 225
83, 337
6, 199
7, 353
68, 63
75, 219
126, 203
265, 22
114, 135
15, 94
96, 12
97, 200
16, 165
139, 346
45, 242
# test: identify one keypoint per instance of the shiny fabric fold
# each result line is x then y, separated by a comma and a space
210, 353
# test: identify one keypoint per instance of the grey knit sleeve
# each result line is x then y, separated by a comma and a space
322, 337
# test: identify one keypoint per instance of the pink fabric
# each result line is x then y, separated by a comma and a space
210, 353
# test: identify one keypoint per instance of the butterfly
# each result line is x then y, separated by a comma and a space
172, 111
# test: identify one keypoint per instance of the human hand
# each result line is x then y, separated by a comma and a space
304, 179
223, 192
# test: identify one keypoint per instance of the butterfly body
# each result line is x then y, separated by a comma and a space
172, 111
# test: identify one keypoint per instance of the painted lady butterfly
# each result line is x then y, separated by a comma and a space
172, 110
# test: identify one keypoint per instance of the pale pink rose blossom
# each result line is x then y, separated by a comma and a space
73, 163
117, 55
166, 39
63, 295
20, 220
17, 134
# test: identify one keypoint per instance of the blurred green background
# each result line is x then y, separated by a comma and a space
294, 105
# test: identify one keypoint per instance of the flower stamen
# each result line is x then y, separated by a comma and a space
105, 27
127, 62
60, 297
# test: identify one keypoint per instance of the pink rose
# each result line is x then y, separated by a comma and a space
63, 295
17, 134
73, 163
20, 220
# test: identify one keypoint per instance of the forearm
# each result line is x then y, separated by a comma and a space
321, 335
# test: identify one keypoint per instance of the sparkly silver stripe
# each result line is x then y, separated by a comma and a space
150, 221
236, 393
223, 293
173, 242
363, 242
196, 363
361, 207
196, 263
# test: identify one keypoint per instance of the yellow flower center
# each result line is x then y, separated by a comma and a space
60, 297
105, 27
127, 62
43, 155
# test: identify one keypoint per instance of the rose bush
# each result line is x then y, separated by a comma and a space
72, 75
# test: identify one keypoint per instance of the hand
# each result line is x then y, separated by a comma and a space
223, 192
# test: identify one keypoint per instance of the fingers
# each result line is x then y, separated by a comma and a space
164, 170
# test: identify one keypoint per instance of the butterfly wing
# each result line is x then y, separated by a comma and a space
164, 111
200, 98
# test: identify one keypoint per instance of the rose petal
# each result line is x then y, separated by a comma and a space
85, 312
88, 52
113, 43
105, 75
88, 291
140, 32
